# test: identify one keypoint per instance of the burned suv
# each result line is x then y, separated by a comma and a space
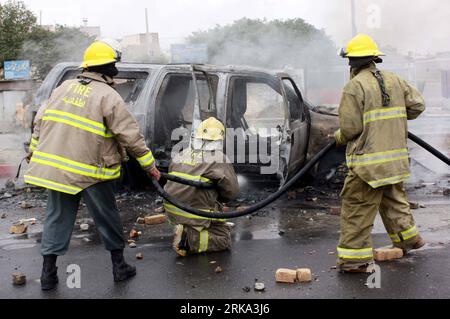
269, 124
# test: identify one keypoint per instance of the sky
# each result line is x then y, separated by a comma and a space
420, 26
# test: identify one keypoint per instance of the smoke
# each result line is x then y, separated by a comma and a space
45, 48
271, 44
419, 27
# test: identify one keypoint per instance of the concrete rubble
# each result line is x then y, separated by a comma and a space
385, 254
19, 279
134, 233
304, 275
25, 205
286, 275
259, 286
155, 220
18, 229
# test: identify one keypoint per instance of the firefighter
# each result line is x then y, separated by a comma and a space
80, 138
204, 162
373, 114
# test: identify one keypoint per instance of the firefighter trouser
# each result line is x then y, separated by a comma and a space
217, 237
360, 204
62, 210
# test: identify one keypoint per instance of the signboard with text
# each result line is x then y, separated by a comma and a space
17, 70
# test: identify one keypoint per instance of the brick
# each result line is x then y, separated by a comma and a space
286, 275
155, 220
384, 254
18, 229
304, 275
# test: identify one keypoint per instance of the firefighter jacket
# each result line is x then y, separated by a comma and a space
204, 166
80, 136
373, 122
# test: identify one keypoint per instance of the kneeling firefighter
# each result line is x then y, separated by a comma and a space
373, 116
203, 162
79, 140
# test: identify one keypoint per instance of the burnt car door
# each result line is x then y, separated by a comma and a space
270, 111
185, 97
295, 139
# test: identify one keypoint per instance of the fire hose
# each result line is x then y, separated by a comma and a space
254, 208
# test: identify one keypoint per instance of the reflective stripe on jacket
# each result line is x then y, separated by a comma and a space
377, 135
191, 166
81, 134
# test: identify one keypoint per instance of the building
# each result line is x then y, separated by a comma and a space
142, 47
91, 31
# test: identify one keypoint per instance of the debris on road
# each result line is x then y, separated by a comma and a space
384, 254
155, 220
18, 229
286, 275
32, 221
132, 245
160, 210
218, 270
304, 275
246, 289
84, 227
446, 192
292, 195
134, 233
336, 211
25, 205
213, 262
3, 216
413, 205
6, 195
259, 286
139, 256
19, 279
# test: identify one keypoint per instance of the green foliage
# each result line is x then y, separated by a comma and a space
273, 44
16, 22
45, 49
22, 38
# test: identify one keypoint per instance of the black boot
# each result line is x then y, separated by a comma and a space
121, 270
49, 277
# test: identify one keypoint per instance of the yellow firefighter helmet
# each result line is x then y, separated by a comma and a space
211, 129
361, 46
101, 53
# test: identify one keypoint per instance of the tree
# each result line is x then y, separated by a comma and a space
45, 49
16, 22
22, 38
271, 44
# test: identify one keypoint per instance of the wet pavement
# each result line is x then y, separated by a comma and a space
300, 230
